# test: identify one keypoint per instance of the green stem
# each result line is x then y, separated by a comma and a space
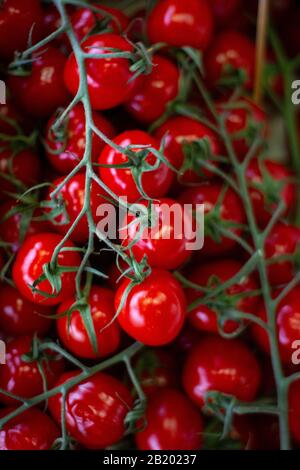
290, 118
289, 110
258, 241
118, 358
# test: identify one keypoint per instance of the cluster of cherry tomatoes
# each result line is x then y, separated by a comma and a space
186, 354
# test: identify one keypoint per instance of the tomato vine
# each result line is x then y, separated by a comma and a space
191, 64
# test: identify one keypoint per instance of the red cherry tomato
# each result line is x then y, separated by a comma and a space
294, 411
173, 423
84, 20
30, 430
180, 23
108, 79
230, 52
269, 180
65, 155
72, 331
19, 316
154, 311
19, 21
52, 21
213, 274
187, 339
36, 252
257, 432
244, 116
283, 240
43, 91
24, 166
156, 91
102, 402
288, 326
166, 243
156, 370
11, 226
228, 208
23, 378
221, 365
224, 10
179, 134
73, 195
155, 183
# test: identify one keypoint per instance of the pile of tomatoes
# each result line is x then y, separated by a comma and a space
151, 136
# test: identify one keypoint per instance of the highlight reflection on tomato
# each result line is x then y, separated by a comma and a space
207, 366
100, 400
154, 311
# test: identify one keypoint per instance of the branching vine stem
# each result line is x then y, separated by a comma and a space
258, 241
257, 255
288, 69
123, 356
258, 238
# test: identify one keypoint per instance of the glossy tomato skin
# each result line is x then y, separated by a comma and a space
24, 166
294, 411
166, 245
64, 156
181, 24
23, 18
84, 20
23, 378
206, 369
179, 131
36, 251
154, 311
30, 430
230, 210
10, 226
242, 117
19, 317
157, 90
285, 190
155, 183
43, 91
288, 326
108, 79
72, 331
205, 318
156, 369
95, 410
230, 49
52, 21
173, 423
73, 194
284, 239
